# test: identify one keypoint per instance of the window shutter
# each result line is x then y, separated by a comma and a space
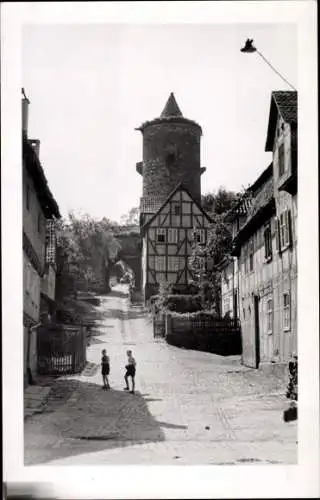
277, 228
265, 244
289, 225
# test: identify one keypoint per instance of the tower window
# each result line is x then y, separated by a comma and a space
170, 159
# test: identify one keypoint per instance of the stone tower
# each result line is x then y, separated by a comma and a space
171, 155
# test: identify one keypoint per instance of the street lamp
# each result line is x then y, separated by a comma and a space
249, 48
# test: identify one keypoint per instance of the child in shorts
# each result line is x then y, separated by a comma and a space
130, 372
105, 369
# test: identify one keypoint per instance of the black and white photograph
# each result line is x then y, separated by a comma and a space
159, 194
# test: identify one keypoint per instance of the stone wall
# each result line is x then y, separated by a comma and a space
171, 154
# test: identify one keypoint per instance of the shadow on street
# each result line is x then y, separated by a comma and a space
97, 420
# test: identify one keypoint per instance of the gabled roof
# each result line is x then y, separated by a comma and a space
171, 108
266, 174
180, 187
35, 170
284, 103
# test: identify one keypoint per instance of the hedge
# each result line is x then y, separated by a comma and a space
183, 303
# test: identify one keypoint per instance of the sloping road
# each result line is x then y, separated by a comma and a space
190, 407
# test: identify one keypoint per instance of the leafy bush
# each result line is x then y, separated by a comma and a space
183, 303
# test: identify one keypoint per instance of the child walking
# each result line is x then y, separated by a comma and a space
130, 372
105, 369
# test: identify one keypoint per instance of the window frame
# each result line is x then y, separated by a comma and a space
284, 230
173, 263
160, 259
285, 308
200, 236
161, 231
251, 256
172, 235
269, 315
267, 237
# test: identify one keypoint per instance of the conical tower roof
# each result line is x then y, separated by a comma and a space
171, 108
170, 113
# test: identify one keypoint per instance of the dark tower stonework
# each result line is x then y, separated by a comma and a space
171, 155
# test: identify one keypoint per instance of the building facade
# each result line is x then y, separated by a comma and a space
265, 245
170, 211
168, 239
39, 207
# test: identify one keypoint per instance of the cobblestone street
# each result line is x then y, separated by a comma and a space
189, 408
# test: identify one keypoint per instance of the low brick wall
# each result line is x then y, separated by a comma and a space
203, 333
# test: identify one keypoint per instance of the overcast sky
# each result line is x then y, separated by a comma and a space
91, 85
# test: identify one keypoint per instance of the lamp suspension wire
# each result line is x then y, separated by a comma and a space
274, 69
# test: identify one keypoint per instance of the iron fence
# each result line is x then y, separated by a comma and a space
61, 349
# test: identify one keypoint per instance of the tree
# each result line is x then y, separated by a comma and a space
86, 251
220, 202
131, 218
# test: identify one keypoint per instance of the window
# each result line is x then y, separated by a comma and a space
286, 311
160, 263
174, 263
176, 208
251, 256
161, 235
269, 315
281, 160
284, 229
28, 197
267, 242
200, 236
172, 235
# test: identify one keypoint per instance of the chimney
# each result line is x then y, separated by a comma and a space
35, 143
25, 111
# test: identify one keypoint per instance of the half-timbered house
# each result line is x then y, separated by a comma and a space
265, 245
170, 212
168, 238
